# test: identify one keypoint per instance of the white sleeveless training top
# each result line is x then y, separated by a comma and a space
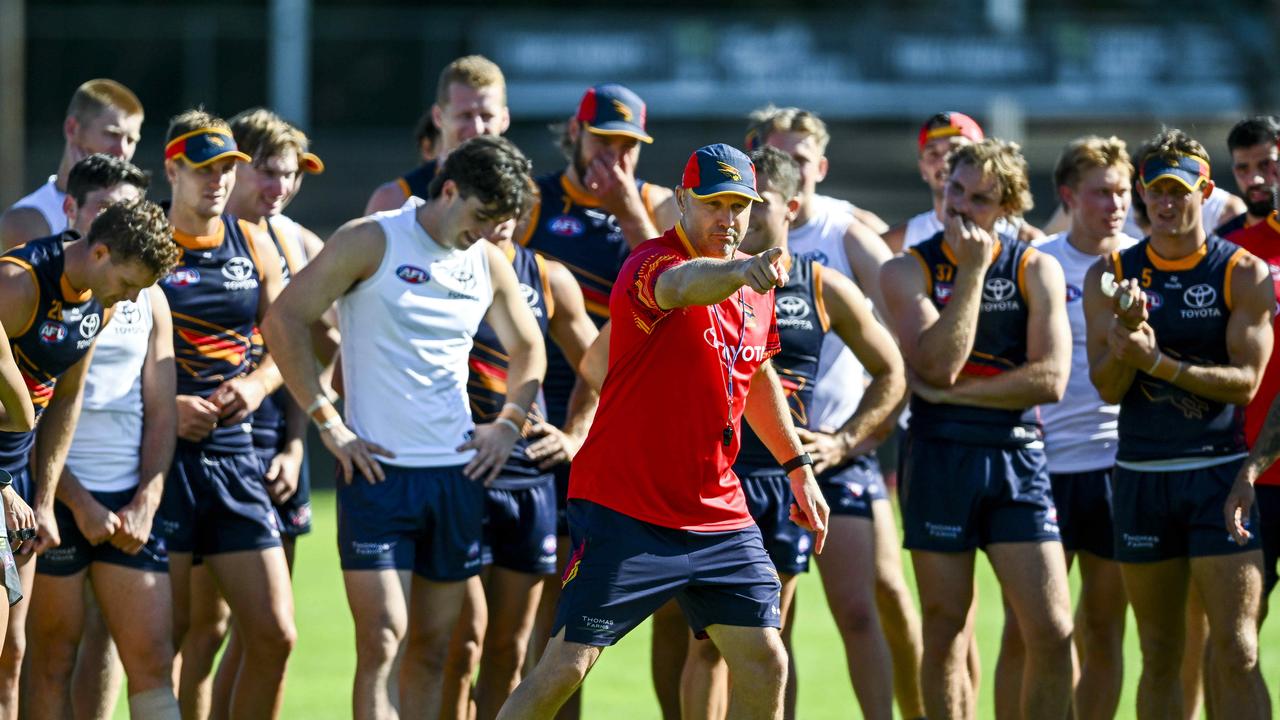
838, 387
48, 200
925, 225
406, 337
1081, 431
106, 448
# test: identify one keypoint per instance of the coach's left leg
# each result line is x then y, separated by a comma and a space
758, 667
560, 671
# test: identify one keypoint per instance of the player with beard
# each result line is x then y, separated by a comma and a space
1252, 144
471, 100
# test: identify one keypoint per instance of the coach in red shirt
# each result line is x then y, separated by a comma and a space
654, 507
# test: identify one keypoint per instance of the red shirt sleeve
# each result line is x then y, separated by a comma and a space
645, 268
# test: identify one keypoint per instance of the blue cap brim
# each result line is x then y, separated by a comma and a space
728, 188
619, 128
1188, 180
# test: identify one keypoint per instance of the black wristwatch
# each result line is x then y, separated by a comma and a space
797, 462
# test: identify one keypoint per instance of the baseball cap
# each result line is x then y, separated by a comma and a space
201, 147
950, 124
1189, 170
311, 163
720, 169
611, 109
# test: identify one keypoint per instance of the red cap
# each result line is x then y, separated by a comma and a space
950, 124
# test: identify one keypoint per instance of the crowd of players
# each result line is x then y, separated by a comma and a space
1091, 394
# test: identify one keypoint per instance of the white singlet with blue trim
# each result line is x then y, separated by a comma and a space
106, 449
406, 338
48, 200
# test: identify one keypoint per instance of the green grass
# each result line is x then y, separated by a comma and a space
321, 668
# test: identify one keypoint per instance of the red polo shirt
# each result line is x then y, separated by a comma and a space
1263, 239
655, 450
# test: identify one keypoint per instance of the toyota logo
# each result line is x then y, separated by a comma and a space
237, 269
793, 307
127, 313
998, 290
1200, 296
89, 325
465, 278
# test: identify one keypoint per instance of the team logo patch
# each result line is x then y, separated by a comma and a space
565, 226
237, 269
128, 313
998, 290
465, 277
729, 171
529, 294
549, 545
52, 333
215, 140
1073, 293
623, 111
412, 274
793, 307
1154, 301
1200, 296
182, 277
942, 293
89, 325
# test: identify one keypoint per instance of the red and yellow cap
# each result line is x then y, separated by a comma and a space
311, 163
611, 109
720, 169
950, 124
201, 147
1191, 171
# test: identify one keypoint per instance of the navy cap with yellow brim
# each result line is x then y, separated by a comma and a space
613, 109
720, 169
203, 146
1190, 171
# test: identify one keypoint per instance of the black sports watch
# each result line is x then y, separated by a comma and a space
797, 462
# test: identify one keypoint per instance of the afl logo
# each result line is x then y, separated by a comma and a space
1154, 301
565, 226
237, 269
942, 293
998, 290
182, 277
412, 275
529, 294
793, 308
52, 333
89, 325
1073, 293
1200, 296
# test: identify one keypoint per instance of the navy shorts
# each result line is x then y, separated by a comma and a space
957, 497
428, 520
850, 490
769, 502
294, 514
1267, 500
520, 527
1084, 511
622, 570
1165, 515
216, 503
24, 485
561, 472
76, 553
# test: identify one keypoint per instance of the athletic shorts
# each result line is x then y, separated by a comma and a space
957, 497
561, 472
1164, 515
76, 552
294, 514
769, 502
850, 489
622, 570
428, 520
520, 527
1084, 511
216, 503
24, 485
1267, 500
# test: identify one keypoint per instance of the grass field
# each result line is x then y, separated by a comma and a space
619, 687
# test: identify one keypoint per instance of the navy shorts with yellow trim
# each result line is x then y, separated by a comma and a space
1267, 500
769, 502
520, 526
216, 503
1165, 515
428, 520
294, 514
622, 570
957, 497
1083, 500
76, 553
851, 489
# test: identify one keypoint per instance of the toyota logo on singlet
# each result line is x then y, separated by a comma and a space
465, 277
529, 294
998, 290
127, 313
793, 307
1200, 296
89, 325
237, 269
